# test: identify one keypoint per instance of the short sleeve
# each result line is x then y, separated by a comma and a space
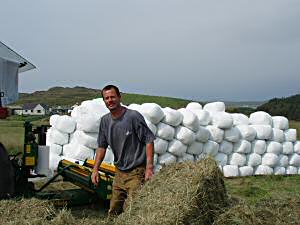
102, 141
143, 132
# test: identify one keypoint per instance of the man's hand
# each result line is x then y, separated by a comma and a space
95, 177
148, 173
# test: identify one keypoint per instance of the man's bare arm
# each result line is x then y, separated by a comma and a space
100, 154
149, 165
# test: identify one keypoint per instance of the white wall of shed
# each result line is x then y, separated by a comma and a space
9, 80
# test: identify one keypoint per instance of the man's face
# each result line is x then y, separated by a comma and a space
111, 99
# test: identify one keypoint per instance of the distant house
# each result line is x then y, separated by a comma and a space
35, 109
15, 109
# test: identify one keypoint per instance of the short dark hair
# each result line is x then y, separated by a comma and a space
110, 86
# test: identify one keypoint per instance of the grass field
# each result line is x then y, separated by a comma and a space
12, 131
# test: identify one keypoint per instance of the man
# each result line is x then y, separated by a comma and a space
127, 133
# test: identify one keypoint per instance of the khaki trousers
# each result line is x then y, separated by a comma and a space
124, 187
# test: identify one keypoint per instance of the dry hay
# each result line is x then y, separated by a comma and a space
183, 193
275, 210
37, 212
25, 211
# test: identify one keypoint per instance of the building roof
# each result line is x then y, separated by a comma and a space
10, 55
29, 106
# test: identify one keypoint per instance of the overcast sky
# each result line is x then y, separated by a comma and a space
202, 50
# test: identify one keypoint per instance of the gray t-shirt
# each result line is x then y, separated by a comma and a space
127, 136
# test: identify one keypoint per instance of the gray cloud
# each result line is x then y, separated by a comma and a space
204, 50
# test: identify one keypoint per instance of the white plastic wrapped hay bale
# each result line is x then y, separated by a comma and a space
135, 107
287, 148
263, 170
165, 131
254, 159
53, 162
177, 148
215, 107
230, 171
220, 168
226, 147
290, 135
237, 159
196, 148
109, 156
246, 132
87, 120
283, 161
172, 117
274, 147
160, 145
232, 134
185, 135
260, 118
190, 120
210, 148
270, 159
297, 147
279, 170
263, 132
222, 159
152, 112
222, 120
53, 120
166, 159
194, 106
186, 157
246, 171
280, 122
239, 119
155, 159
291, 170
65, 124
203, 117
87, 139
277, 135
294, 160
202, 134
216, 134
157, 168
242, 146
76, 151
151, 126
57, 137
96, 106
56, 149
259, 146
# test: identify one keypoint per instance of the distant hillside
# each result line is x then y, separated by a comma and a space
66, 96
288, 107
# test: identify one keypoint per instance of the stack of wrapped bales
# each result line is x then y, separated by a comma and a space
242, 145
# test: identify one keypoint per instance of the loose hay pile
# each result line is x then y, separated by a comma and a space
185, 193
37, 212
25, 211
275, 210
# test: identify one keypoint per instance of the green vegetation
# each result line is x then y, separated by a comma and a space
262, 200
65, 96
244, 110
12, 131
288, 107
